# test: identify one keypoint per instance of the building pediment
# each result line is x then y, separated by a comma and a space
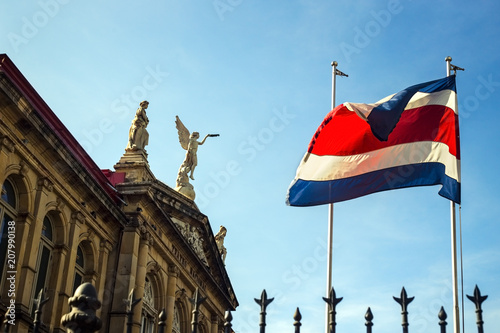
180, 229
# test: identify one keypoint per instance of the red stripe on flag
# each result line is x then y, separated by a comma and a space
344, 133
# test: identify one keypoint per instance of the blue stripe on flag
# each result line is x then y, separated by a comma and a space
310, 193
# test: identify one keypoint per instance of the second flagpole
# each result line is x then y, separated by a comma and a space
456, 311
335, 72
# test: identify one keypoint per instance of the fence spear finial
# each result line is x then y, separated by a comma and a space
404, 300
332, 301
263, 302
478, 300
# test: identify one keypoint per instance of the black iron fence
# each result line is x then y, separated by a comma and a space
84, 303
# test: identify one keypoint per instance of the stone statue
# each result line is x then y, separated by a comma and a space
138, 136
219, 240
190, 143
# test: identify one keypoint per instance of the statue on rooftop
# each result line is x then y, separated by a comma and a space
138, 136
219, 240
189, 142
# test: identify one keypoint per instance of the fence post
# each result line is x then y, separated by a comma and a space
263, 302
40, 301
6, 322
162, 321
332, 301
404, 300
297, 316
131, 303
442, 320
369, 318
477, 299
228, 317
196, 301
82, 318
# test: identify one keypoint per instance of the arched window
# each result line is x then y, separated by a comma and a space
79, 268
8, 213
44, 257
149, 313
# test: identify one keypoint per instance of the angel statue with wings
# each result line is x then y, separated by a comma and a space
190, 143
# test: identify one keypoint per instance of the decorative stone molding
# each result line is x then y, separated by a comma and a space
23, 171
6, 144
181, 294
173, 271
146, 235
90, 234
62, 248
106, 246
78, 216
60, 204
45, 183
153, 267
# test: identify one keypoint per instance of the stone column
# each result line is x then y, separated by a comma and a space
125, 278
142, 262
105, 248
173, 274
75, 226
214, 324
26, 277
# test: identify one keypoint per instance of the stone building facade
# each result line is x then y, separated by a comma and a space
70, 222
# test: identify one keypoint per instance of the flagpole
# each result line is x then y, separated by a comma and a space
456, 312
330, 215
335, 72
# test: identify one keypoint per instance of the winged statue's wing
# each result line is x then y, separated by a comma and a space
183, 133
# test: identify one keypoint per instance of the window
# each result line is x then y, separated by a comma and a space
149, 312
79, 268
8, 212
44, 256
9, 194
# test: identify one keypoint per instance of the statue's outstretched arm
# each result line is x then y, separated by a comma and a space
207, 136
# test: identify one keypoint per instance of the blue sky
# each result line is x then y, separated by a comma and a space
258, 73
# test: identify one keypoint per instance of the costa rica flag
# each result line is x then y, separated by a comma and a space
407, 139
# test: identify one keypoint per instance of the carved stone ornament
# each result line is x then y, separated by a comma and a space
148, 293
23, 171
173, 270
45, 183
6, 143
78, 216
176, 325
193, 237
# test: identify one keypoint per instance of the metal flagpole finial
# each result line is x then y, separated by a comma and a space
451, 67
337, 72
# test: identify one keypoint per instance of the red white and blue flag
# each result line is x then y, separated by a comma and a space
407, 139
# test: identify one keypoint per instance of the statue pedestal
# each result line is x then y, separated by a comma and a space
187, 190
134, 164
